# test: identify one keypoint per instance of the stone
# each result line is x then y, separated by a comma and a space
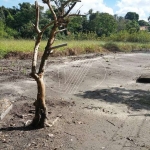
5, 107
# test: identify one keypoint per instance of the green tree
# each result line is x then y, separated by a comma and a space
75, 24
6, 20
6, 32
85, 24
9, 20
17, 21
132, 26
143, 23
25, 15
132, 16
3, 33
149, 18
2, 13
102, 23
121, 22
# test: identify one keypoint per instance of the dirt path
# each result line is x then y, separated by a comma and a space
94, 103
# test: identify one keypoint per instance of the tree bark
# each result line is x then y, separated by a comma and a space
40, 106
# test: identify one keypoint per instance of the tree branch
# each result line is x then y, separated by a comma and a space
60, 31
58, 46
52, 22
47, 50
67, 2
71, 15
36, 26
57, 22
35, 53
70, 8
37, 42
52, 10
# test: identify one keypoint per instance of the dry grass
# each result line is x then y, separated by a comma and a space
9, 48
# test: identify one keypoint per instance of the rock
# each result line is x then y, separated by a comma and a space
51, 135
5, 107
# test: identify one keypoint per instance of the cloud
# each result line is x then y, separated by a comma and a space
96, 5
41, 3
141, 7
86, 5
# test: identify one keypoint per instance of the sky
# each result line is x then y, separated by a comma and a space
119, 7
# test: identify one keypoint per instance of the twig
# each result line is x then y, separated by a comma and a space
110, 122
69, 134
61, 45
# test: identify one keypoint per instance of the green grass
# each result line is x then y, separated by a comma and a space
7, 46
127, 46
79, 47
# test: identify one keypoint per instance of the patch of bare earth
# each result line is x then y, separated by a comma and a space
94, 103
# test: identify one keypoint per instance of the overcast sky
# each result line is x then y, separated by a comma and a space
120, 7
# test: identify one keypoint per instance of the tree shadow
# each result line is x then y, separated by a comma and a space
20, 128
135, 99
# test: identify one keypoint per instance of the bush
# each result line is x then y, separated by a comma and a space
6, 32
124, 36
78, 36
111, 47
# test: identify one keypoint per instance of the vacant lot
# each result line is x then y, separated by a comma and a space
93, 100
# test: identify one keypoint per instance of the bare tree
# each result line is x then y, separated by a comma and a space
60, 16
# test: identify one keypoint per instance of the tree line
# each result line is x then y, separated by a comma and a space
17, 22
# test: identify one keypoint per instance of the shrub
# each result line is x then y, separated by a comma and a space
124, 36
78, 36
111, 47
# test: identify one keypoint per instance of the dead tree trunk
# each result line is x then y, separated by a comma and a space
40, 117
40, 106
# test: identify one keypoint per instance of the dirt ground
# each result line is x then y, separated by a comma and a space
93, 103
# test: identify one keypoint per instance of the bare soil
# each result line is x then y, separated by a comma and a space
93, 103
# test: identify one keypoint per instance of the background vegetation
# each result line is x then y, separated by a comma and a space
85, 33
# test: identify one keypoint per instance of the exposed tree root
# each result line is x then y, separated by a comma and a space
40, 119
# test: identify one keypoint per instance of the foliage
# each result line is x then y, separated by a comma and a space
6, 32
75, 24
17, 23
121, 22
132, 16
102, 23
125, 36
2, 30
143, 23
20, 19
132, 26
111, 46
79, 36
